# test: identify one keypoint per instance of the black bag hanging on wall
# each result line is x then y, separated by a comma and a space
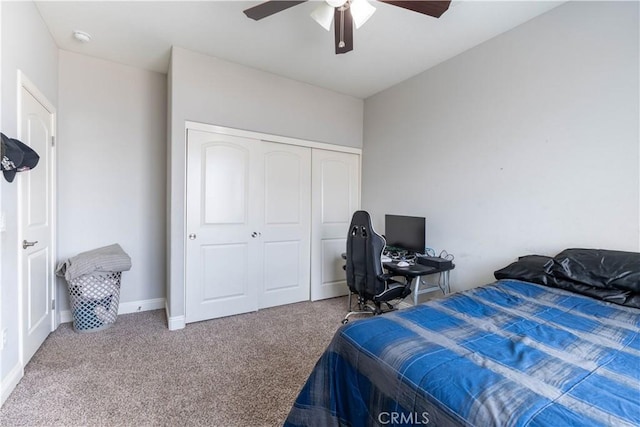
16, 157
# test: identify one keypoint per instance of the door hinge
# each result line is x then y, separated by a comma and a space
53, 304
53, 141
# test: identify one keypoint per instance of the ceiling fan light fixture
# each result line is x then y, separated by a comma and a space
361, 11
323, 15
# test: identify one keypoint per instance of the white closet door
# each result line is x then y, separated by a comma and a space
223, 206
285, 233
336, 196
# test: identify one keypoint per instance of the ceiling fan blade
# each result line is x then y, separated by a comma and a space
433, 8
268, 8
343, 30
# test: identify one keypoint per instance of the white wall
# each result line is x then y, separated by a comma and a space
525, 144
210, 90
23, 35
111, 169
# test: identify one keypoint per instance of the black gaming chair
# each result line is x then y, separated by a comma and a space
365, 274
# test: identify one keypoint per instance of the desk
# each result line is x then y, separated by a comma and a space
416, 271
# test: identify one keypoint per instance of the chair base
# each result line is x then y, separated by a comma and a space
345, 320
364, 308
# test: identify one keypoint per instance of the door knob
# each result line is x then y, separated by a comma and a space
254, 234
192, 236
26, 244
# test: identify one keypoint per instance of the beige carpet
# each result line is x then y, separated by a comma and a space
243, 370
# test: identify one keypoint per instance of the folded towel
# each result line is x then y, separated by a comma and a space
106, 259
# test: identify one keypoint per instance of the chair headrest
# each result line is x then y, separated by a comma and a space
361, 218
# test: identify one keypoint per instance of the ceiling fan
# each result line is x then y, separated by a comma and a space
346, 14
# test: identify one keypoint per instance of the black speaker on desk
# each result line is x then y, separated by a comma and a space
434, 261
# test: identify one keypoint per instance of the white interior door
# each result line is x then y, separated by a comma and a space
285, 234
36, 224
336, 196
223, 204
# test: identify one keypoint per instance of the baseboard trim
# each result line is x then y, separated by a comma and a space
10, 382
176, 322
144, 305
66, 316
404, 304
124, 308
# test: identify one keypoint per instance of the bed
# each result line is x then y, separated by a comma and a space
512, 353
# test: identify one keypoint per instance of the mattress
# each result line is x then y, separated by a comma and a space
511, 353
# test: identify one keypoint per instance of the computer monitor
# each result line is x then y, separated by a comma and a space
405, 232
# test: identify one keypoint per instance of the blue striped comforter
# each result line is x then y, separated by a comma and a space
508, 354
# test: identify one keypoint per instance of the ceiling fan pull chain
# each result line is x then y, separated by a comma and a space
341, 43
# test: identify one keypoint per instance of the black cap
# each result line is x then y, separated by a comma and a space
16, 157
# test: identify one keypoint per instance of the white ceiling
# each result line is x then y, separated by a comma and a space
393, 45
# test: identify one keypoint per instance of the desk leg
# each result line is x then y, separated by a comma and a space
445, 283
444, 287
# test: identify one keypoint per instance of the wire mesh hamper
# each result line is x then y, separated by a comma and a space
94, 300
94, 279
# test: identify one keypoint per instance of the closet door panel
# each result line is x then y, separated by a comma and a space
332, 262
217, 261
283, 192
221, 217
335, 192
336, 196
224, 189
285, 233
281, 266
